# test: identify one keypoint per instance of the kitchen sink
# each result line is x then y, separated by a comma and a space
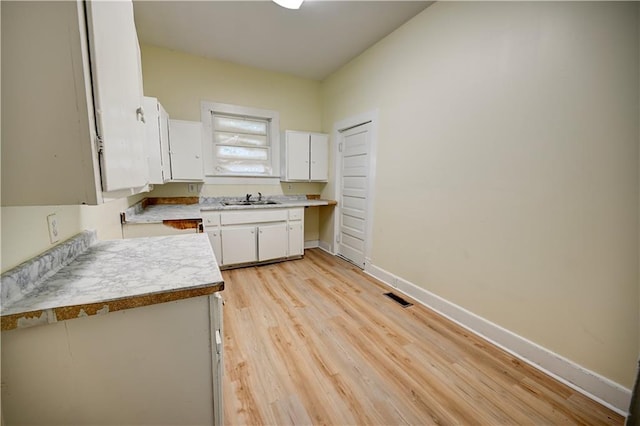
248, 203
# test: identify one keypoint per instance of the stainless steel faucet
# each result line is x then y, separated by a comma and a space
259, 196
248, 197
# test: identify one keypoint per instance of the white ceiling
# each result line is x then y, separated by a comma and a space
311, 42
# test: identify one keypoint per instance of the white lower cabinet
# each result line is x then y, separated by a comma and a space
272, 241
154, 364
215, 239
296, 232
296, 238
238, 244
250, 236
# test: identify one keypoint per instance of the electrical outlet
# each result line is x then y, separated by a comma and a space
192, 187
54, 232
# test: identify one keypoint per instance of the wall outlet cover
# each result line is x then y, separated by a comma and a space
54, 231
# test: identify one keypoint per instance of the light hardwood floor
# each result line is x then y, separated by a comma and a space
314, 341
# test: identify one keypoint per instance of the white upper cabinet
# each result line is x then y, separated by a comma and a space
174, 147
305, 156
117, 84
72, 130
185, 150
319, 157
157, 137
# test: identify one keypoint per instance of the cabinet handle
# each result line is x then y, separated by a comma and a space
197, 156
140, 114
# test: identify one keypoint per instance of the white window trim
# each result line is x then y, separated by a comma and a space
207, 108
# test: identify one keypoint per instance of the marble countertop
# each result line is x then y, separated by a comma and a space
157, 213
112, 275
281, 204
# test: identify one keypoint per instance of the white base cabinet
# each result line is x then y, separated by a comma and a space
250, 236
239, 245
157, 364
273, 241
296, 232
211, 225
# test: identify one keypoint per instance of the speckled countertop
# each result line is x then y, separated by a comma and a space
107, 275
160, 212
157, 213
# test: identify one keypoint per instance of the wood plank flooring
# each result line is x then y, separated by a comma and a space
314, 341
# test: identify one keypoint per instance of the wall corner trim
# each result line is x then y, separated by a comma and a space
587, 382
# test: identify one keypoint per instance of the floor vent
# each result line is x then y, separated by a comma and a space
398, 299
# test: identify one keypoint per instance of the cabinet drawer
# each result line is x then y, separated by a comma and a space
258, 216
210, 219
296, 214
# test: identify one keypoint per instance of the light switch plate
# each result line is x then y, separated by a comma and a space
54, 232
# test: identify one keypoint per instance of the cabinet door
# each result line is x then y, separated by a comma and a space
217, 352
319, 153
216, 244
117, 84
164, 143
185, 148
238, 245
296, 237
152, 136
297, 155
272, 241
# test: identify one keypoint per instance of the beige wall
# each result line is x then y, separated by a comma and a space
182, 81
25, 232
507, 167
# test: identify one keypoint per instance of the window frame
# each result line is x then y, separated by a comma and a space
207, 110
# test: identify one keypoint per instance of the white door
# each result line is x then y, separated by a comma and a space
117, 84
354, 177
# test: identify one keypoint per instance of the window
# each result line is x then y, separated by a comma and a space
240, 141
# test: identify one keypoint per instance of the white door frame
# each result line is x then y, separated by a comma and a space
338, 127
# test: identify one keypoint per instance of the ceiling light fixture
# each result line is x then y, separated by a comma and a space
289, 4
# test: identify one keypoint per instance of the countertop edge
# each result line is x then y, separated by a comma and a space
139, 218
47, 316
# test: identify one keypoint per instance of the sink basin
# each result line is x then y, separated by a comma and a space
248, 203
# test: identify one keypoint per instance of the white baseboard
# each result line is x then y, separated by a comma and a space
589, 383
326, 247
311, 244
